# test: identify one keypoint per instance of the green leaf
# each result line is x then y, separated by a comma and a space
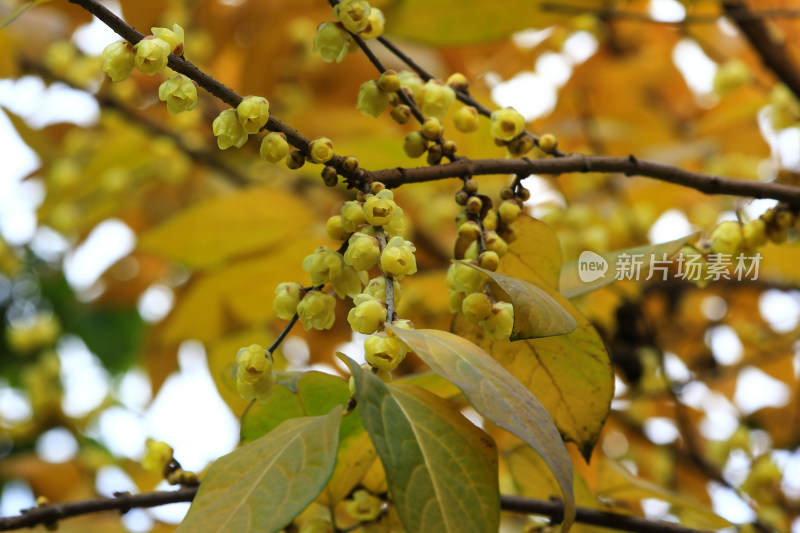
316, 393
441, 469
264, 485
497, 395
571, 280
536, 313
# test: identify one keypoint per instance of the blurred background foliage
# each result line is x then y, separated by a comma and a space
189, 242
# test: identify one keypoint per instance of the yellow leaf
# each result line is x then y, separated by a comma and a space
234, 225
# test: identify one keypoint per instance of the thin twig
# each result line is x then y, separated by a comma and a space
387, 279
630, 166
183, 66
608, 14
51, 514
212, 159
773, 53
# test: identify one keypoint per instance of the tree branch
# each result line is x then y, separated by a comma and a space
123, 502
630, 166
183, 66
772, 52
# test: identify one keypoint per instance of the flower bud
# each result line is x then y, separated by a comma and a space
378, 210
295, 159
332, 42
152, 55
350, 163
490, 221
383, 351
228, 130
397, 258
375, 24
157, 456
548, 143
253, 113
253, 364
329, 176
458, 82
335, 228
287, 296
118, 60
495, 243
401, 114
500, 323
367, 315
376, 287
469, 231
173, 37
353, 216
727, 238
320, 150
415, 144
463, 279
371, 99
436, 98
521, 145
506, 124
180, 94
353, 14
476, 307
364, 507
489, 260
389, 81
362, 252
274, 147
316, 310
431, 128
466, 119
323, 265
509, 210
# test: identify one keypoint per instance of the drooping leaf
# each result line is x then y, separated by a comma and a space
234, 225
316, 393
498, 396
536, 313
441, 470
264, 485
570, 374
593, 271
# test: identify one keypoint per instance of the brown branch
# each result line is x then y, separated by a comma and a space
183, 66
772, 52
123, 502
51, 514
608, 14
555, 510
630, 166
212, 159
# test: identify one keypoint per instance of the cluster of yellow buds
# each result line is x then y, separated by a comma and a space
233, 126
732, 244
483, 235
150, 55
353, 17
